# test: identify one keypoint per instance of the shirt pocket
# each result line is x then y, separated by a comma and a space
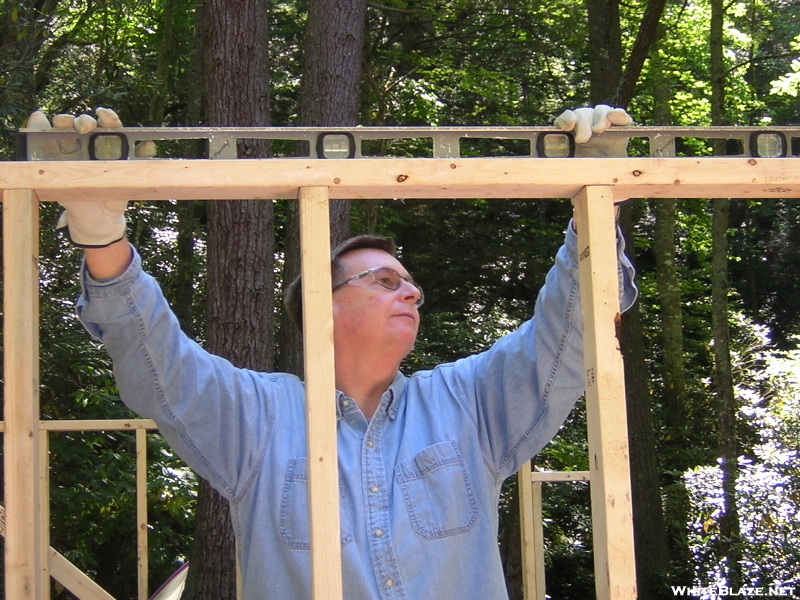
437, 492
295, 528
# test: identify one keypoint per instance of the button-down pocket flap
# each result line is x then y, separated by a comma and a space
437, 492
430, 459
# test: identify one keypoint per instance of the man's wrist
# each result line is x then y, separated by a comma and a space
110, 261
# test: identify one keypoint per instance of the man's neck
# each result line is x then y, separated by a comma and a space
365, 384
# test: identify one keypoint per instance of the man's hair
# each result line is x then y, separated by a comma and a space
293, 296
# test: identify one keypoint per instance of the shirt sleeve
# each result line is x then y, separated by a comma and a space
218, 418
522, 389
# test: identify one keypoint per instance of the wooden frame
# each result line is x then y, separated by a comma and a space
529, 486
56, 565
594, 183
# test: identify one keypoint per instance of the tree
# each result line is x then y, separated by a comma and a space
672, 367
240, 296
723, 377
645, 37
605, 49
23, 31
334, 41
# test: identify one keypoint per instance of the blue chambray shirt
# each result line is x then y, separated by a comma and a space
420, 481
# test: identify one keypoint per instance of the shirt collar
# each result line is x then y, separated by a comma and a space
394, 395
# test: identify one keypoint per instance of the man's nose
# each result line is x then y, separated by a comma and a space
410, 292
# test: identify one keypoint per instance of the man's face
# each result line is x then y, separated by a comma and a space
368, 316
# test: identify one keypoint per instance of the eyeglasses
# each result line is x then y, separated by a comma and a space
386, 277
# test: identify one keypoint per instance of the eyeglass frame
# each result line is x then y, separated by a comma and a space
372, 271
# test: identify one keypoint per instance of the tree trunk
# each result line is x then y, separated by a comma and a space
729, 532
717, 64
669, 288
605, 50
166, 52
645, 37
329, 97
240, 292
649, 528
334, 47
669, 295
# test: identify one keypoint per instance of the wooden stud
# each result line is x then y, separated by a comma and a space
44, 509
141, 513
323, 466
23, 551
531, 526
612, 522
538, 533
527, 537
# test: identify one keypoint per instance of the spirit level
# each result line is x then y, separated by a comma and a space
416, 142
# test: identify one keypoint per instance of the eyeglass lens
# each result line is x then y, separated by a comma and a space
387, 277
390, 279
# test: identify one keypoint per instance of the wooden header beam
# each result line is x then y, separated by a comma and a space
407, 178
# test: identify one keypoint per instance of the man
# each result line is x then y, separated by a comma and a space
421, 458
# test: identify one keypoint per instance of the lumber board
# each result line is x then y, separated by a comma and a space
323, 465
44, 509
67, 574
98, 425
75, 580
609, 466
23, 548
559, 476
141, 514
708, 177
532, 534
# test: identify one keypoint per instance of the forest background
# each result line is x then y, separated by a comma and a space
711, 349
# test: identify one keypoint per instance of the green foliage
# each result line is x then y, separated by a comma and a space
473, 63
767, 488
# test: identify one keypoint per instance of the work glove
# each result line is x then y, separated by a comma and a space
585, 122
87, 223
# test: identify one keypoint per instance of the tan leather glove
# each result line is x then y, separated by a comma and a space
86, 223
585, 122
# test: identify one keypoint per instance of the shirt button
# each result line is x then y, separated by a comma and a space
379, 534
345, 402
370, 444
389, 583
374, 489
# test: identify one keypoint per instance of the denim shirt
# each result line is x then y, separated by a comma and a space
419, 481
